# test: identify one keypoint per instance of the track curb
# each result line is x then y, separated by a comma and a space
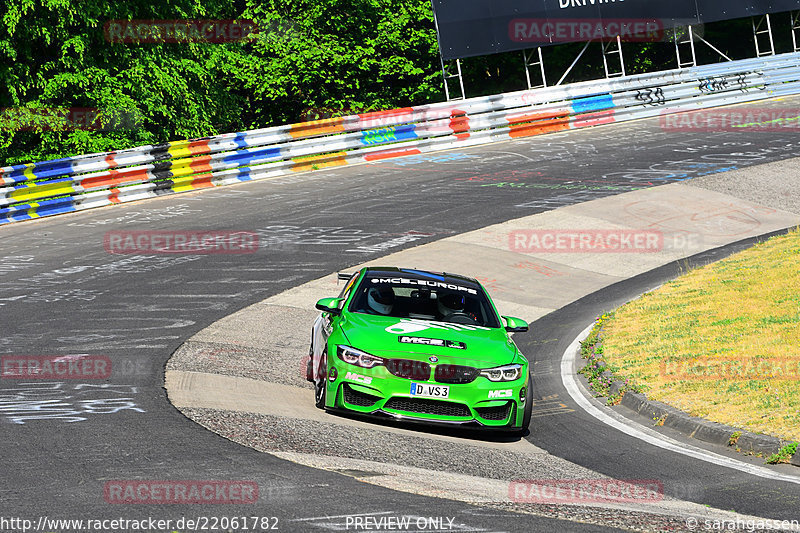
698, 428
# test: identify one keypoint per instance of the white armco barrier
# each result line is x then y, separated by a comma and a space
65, 185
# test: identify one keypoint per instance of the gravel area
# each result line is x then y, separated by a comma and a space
612, 518
772, 184
268, 363
273, 433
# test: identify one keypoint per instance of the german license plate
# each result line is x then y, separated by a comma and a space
430, 391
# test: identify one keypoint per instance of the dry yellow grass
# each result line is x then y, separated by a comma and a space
721, 342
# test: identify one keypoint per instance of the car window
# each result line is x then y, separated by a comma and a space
446, 302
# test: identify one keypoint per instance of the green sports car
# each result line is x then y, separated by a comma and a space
419, 346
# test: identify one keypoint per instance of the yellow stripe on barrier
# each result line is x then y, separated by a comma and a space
42, 191
32, 210
190, 183
314, 162
29, 171
182, 167
179, 149
312, 128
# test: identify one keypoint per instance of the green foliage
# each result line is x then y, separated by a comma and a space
784, 455
597, 371
310, 59
343, 55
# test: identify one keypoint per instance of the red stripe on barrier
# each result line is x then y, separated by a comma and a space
115, 177
388, 113
459, 123
390, 154
199, 147
114, 196
202, 183
526, 125
383, 119
201, 164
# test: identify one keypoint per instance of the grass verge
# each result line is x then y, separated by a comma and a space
721, 342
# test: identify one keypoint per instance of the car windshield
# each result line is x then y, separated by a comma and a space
400, 296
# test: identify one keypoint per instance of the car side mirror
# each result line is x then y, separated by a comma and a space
330, 305
515, 325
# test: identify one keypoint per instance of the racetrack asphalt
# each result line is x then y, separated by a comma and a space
61, 293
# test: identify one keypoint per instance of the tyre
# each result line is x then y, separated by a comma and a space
320, 385
526, 418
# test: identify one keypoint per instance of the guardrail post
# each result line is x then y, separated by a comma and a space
527, 55
608, 51
764, 27
448, 74
688, 40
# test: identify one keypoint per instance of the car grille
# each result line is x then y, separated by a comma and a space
494, 413
428, 407
455, 374
409, 369
354, 397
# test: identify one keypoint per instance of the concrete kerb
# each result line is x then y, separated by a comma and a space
700, 428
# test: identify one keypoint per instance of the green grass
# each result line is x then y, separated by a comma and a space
721, 342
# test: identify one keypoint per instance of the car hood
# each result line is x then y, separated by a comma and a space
403, 338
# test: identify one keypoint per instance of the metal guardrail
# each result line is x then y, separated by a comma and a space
77, 183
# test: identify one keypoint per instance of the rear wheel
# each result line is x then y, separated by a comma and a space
320, 385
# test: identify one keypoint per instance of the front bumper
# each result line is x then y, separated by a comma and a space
480, 403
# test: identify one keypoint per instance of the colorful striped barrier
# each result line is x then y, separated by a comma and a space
73, 184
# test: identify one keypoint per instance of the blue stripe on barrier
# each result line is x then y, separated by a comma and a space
593, 103
44, 169
56, 167
14, 214
18, 172
20, 212
244, 174
250, 156
241, 140
55, 207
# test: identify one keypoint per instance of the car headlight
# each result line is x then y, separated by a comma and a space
352, 356
503, 373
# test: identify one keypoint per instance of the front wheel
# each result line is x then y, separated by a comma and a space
321, 385
526, 418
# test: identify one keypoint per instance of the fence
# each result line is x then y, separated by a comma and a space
73, 184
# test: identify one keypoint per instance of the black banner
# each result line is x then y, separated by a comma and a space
482, 27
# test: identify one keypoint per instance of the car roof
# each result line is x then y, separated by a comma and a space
417, 273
